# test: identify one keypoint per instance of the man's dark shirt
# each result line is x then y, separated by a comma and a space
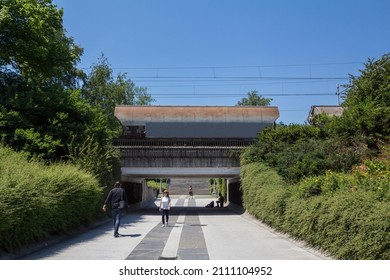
114, 197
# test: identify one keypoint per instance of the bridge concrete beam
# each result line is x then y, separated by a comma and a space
176, 172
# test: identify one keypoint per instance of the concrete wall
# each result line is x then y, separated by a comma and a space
179, 157
140, 115
203, 130
195, 121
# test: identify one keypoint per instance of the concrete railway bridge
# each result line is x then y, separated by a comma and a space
186, 142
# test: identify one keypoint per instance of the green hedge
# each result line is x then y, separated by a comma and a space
346, 215
264, 193
38, 200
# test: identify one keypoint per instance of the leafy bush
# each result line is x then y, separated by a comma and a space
295, 159
264, 193
372, 176
155, 184
347, 215
101, 160
37, 200
349, 225
325, 184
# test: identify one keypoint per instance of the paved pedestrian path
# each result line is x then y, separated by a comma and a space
194, 233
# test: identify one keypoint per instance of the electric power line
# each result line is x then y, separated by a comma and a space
235, 66
226, 95
233, 78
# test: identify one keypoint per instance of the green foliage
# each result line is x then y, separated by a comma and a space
33, 42
346, 215
373, 84
254, 99
264, 193
299, 151
38, 200
96, 159
291, 134
340, 200
37, 71
42, 123
272, 142
337, 143
155, 183
349, 225
220, 186
211, 185
326, 184
102, 91
367, 104
330, 183
41, 111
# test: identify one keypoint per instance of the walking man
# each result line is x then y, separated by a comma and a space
116, 198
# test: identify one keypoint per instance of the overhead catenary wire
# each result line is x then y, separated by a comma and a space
233, 78
160, 78
237, 80
239, 95
235, 66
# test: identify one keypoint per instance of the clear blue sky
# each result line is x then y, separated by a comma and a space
213, 52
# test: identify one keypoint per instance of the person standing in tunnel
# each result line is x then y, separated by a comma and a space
165, 206
220, 200
116, 198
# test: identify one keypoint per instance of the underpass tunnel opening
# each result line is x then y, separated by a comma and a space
133, 191
138, 191
234, 190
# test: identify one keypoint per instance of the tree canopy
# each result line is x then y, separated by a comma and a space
102, 90
367, 104
254, 99
33, 42
49, 109
334, 143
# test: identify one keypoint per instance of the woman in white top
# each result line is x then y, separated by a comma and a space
165, 206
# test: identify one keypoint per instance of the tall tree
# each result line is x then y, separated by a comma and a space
39, 109
103, 91
254, 99
33, 42
42, 111
372, 85
367, 104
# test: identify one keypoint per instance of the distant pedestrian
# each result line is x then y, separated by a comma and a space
165, 206
220, 200
116, 198
190, 192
